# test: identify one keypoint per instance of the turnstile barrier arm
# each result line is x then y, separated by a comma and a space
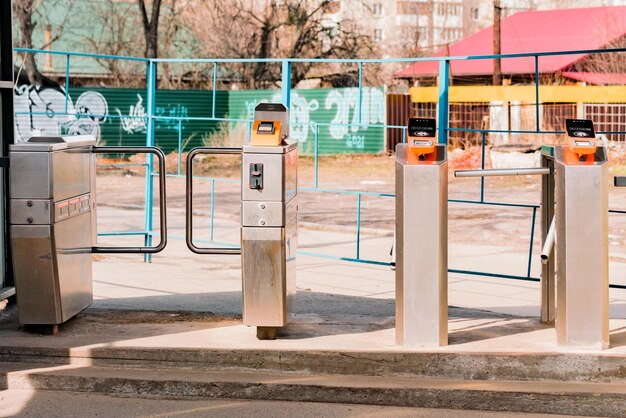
503, 172
162, 203
189, 201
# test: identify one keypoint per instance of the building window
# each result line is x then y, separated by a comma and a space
378, 34
441, 9
413, 8
377, 9
474, 13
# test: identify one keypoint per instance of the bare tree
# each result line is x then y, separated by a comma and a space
150, 26
116, 35
24, 10
28, 14
272, 29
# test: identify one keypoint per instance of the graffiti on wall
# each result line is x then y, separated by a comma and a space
166, 117
42, 111
343, 104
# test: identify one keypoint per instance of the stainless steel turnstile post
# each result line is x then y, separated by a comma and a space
580, 202
269, 220
421, 248
574, 227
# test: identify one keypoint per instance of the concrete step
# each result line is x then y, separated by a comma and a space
574, 398
591, 367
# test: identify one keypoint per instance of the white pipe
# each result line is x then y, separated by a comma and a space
547, 246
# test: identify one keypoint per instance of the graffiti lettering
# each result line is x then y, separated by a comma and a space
135, 121
345, 120
42, 111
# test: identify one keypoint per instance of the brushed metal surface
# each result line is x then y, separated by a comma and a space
52, 269
280, 176
31, 212
255, 213
582, 291
72, 238
35, 271
264, 257
421, 252
57, 175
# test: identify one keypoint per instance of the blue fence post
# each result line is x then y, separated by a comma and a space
150, 92
214, 89
180, 144
442, 109
537, 120
317, 155
360, 92
358, 226
482, 166
286, 83
532, 240
67, 82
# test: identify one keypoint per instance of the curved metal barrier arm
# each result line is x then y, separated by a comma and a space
162, 203
189, 201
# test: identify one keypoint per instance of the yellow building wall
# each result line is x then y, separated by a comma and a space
547, 94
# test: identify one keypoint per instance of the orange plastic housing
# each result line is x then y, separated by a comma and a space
265, 139
582, 146
421, 152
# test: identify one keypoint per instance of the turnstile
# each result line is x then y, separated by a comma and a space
576, 197
574, 215
269, 219
421, 238
53, 224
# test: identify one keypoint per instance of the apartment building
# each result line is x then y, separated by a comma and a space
416, 27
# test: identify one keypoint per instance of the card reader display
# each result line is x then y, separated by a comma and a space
580, 137
421, 140
265, 128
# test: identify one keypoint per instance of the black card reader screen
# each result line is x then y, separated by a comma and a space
580, 128
422, 127
265, 128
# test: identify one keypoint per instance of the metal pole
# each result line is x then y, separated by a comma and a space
532, 239
67, 81
537, 121
548, 283
180, 144
442, 110
214, 89
503, 172
360, 93
482, 167
151, 91
317, 154
358, 226
286, 83
546, 250
212, 207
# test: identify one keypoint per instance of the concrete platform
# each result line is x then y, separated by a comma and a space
172, 329
494, 362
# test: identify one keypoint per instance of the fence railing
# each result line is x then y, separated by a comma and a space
442, 116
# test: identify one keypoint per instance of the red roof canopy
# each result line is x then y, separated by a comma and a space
532, 31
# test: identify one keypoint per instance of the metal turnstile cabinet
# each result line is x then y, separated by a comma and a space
52, 227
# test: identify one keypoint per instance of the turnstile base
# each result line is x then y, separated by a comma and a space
266, 333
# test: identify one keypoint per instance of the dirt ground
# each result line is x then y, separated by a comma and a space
327, 208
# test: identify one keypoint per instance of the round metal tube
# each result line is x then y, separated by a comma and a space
162, 200
189, 201
503, 172
549, 243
